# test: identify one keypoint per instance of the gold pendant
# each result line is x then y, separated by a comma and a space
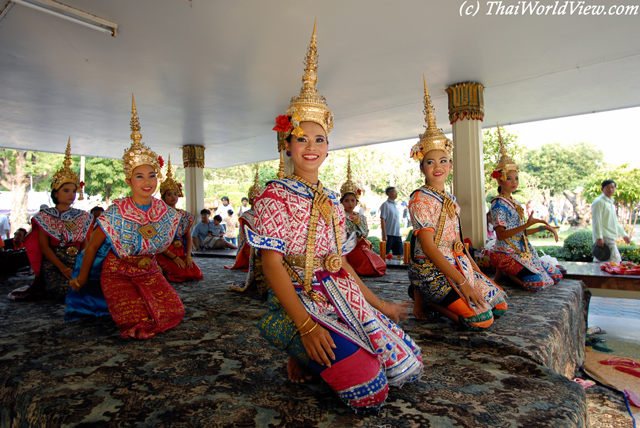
70, 226
333, 263
177, 244
147, 231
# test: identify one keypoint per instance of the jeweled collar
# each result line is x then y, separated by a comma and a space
130, 211
304, 190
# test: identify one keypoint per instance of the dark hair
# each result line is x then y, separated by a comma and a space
218, 217
244, 199
605, 183
499, 189
224, 198
21, 229
230, 212
53, 197
205, 211
346, 194
388, 189
96, 208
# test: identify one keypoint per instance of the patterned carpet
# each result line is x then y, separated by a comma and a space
215, 370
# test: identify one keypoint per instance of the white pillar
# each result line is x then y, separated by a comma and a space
466, 111
193, 161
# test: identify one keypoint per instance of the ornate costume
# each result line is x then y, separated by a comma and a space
178, 246
139, 298
516, 256
247, 255
66, 231
306, 224
361, 258
438, 211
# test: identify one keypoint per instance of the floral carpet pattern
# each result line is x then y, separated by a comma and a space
214, 370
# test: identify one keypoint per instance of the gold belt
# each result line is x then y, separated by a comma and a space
332, 262
72, 251
142, 262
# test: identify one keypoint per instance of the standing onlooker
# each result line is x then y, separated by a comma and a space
223, 210
231, 234
552, 212
606, 227
5, 226
244, 207
201, 230
390, 224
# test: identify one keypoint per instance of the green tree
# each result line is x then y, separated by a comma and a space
491, 152
627, 193
562, 167
21, 169
105, 177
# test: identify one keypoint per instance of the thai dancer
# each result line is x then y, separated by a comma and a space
441, 271
361, 258
320, 312
512, 254
176, 262
136, 229
248, 256
58, 234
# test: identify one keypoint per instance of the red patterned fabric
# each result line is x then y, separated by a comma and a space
173, 272
141, 301
244, 249
365, 262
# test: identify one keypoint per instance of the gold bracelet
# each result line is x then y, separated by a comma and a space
305, 323
382, 305
310, 330
77, 283
66, 269
462, 283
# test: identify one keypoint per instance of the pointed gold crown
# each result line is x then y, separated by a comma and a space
139, 154
309, 106
170, 183
433, 137
255, 189
505, 163
66, 175
349, 186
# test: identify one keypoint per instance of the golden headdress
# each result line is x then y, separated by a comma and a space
255, 189
433, 137
349, 186
139, 154
505, 164
170, 183
309, 106
66, 175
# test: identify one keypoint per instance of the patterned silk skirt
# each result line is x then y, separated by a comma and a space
173, 272
140, 299
539, 274
56, 284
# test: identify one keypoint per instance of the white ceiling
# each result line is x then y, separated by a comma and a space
217, 73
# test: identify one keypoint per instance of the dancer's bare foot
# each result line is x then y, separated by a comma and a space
297, 372
419, 306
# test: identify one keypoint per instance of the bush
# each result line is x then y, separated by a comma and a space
375, 244
578, 246
630, 253
553, 251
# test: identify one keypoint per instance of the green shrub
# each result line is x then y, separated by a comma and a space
375, 244
553, 251
630, 253
578, 246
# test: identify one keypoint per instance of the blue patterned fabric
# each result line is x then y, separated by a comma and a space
89, 301
264, 242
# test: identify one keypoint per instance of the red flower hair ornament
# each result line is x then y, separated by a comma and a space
160, 161
283, 124
496, 174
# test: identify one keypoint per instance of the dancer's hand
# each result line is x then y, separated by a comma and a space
471, 295
179, 262
532, 220
75, 284
189, 262
397, 312
319, 345
66, 272
553, 230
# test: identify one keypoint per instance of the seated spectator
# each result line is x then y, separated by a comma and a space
215, 240
14, 257
17, 243
201, 230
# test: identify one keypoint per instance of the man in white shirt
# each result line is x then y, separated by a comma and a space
5, 226
606, 227
390, 223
